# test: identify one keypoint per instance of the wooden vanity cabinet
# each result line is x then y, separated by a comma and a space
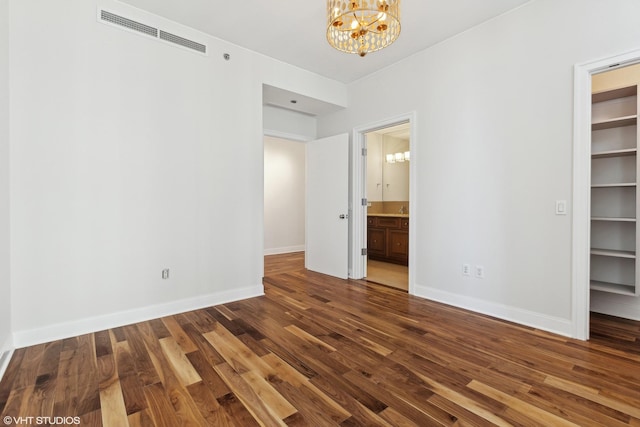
388, 239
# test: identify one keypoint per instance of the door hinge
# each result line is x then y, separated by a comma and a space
364, 151
364, 251
364, 202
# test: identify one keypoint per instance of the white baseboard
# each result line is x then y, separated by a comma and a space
99, 323
285, 250
551, 324
615, 305
6, 351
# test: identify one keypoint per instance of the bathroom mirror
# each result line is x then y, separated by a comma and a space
388, 159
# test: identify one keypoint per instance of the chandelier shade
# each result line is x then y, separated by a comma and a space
362, 26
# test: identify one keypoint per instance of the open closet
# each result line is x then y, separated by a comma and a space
615, 237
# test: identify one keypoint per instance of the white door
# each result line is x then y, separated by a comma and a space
327, 228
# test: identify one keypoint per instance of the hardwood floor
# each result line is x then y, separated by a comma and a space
321, 351
385, 273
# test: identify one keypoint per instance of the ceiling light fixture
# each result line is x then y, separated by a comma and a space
362, 26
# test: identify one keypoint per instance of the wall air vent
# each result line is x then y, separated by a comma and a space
190, 44
130, 24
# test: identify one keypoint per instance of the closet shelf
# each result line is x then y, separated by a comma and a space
615, 288
615, 153
614, 219
613, 253
616, 122
614, 184
608, 95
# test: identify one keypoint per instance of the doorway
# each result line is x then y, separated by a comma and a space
306, 188
284, 195
593, 282
388, 205
397, 229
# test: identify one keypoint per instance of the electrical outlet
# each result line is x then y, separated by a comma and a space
165, 273
466, 270
479, 272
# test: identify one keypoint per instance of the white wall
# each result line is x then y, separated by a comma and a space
125, 161
288, 124
5, 289
493, 151
284, 196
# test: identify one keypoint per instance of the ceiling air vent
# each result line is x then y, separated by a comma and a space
130, 24
190, 44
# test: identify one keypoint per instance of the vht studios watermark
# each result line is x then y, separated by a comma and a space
41, 421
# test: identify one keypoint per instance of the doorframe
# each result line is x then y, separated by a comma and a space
581, 229
358, 213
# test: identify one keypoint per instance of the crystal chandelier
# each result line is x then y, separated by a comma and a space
362, 26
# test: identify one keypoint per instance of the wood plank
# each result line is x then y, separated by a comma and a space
66, 394
309, 338
103, 343
535, 414
141, 358
299, 390
114, 412
160, 409
29, 367
179, 334
207, 403
235, 352
237, 411
254, 404
13, 404
131, 383
140, 419
112, 405
208, 374
133, 394
182, 403
10, 375
279, 406
181, 365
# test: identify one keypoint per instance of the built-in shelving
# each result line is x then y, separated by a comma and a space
614, 192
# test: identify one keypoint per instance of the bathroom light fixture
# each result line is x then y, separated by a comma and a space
362, 26
398, 157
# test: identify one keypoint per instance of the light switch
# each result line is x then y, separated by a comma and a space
561, 207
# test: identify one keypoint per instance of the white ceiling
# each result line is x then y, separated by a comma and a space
294, 31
